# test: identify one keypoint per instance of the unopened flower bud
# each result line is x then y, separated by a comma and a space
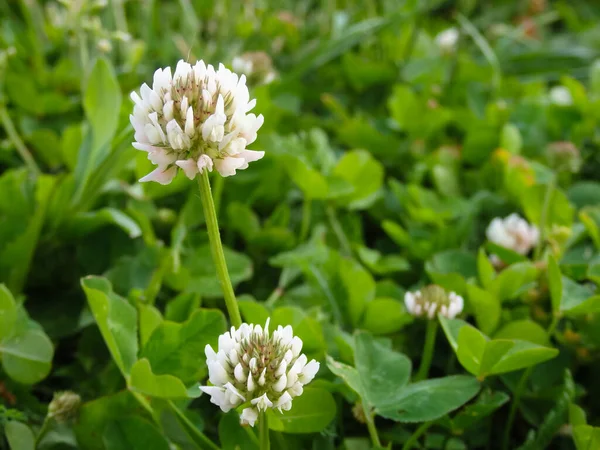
64, 406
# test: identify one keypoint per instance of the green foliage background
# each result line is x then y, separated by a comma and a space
386, 158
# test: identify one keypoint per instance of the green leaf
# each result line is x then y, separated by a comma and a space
576, 298
8, 312
451, 268
472, 414
511, 281
560, 211
234, 436
485, 269
577, 415
382, 371
305, 327
365, 173
141, 379
510, 138
27, 356
133, 433
385, 316
85, 223
586, 437
524, 330
96, 414
311, 183
471, 345
431, 399
116, 319
150, 318
253, 312
180, 308
554, 284
487, 308
360, 288
178, 348
102, 102
311, 412
19, 436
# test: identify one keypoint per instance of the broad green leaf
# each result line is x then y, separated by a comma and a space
485, 405
311, 412
471, 348
234, 436
116, 319
574, 296
85, 223
311, 182
485, 269
347, 373
588, 306
451, 269
506, 255
511, 281
27, 356
487, 308
431, 399
96, 414
305, 327
141, 379
8, 312
360, 288
554, 284
524, 330
180, 308
253, 312
382, 371
586, 437
178, 348
150, 318
560, 211
523, 354
385, 316
494, 351
510, 138
133, 433
19, 436
365, 173
451, 329
577, 415
101, 102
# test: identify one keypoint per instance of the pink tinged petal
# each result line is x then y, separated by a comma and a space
205, 162
228, 165
249, 416
309, 371
189, 166
161, 158
160, 175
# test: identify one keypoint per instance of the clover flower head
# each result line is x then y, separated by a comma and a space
257, 66
513, 233
560, 96
257, 368
64, 406
195, 119
431, 300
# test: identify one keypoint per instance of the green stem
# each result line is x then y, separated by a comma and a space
339, 231
14, 137
218, 194
430, 334
514, 406
216, 248
416, 435
543, 219
306, 213
43, 431
199, 437
263, 425
371, 426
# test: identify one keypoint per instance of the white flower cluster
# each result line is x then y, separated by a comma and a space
513, 233
447, 39
257, 66
194, 120
258, 368
432, 300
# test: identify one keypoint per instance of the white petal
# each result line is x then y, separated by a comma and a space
309, 371
228, 165
189, 122
249, 416
162, 176
204, 161
189, 166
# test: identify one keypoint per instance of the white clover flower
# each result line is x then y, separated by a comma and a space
257, 66
432, 300
196, 119
446, 40
560, 96
514, 233
259, 369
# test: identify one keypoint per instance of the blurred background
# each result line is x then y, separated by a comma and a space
394, 132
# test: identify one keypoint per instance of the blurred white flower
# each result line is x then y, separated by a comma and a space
255, 367
513, 233
257, 66
432, 300
446, 40
196, 119
560, 96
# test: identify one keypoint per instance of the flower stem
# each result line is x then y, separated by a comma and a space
43, 431
17, 142
338, 231
515, 406
416, 435
216, 248
198, 437
263, 425
371, 426
430, 334
305, 226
